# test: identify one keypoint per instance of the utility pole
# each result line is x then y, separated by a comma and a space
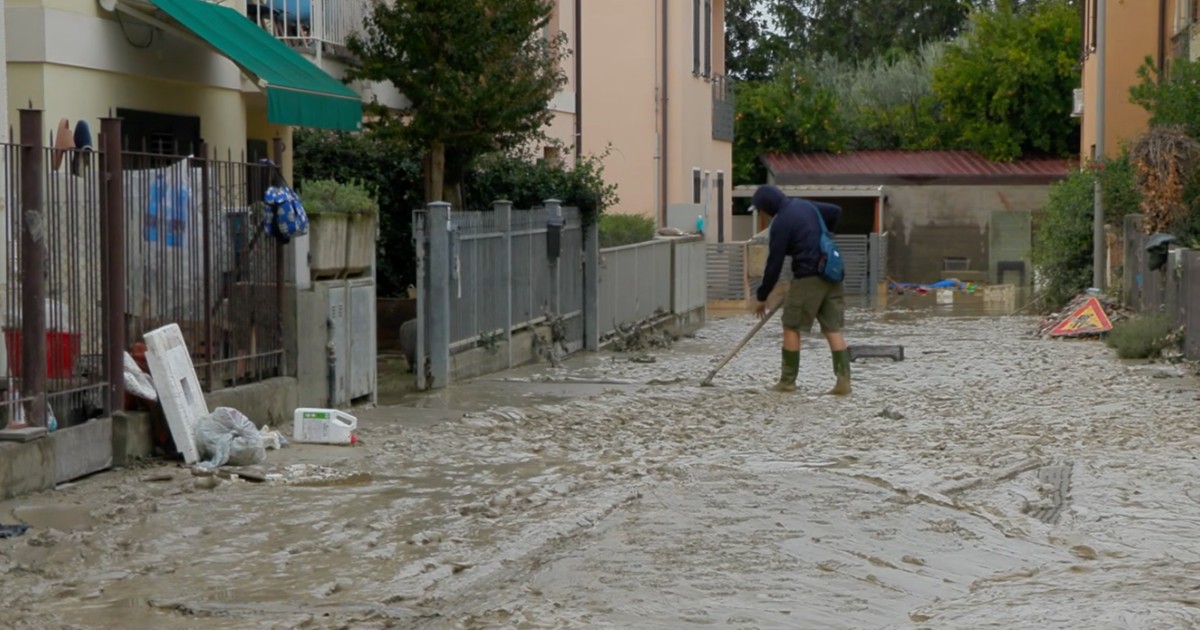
1098, 240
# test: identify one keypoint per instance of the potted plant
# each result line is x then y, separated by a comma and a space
342, 219
362, 229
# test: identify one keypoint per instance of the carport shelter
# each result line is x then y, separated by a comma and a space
945, 214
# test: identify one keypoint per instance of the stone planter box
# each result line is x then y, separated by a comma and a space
327, 245
360, 245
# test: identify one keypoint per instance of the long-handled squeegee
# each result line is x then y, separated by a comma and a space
707, 382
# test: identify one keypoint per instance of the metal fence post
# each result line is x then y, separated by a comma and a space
439, 294
113, 282
591, 285
418, 234
554, 210
280, 292
873, 269
503, 211
206, 217
33, 269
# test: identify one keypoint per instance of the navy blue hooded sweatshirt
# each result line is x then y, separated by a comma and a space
795, 232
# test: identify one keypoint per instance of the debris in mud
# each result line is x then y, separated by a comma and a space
315, 475
12, 531
641, 336
1087, 316
895, 353
643, 358
890, 414
1054, 488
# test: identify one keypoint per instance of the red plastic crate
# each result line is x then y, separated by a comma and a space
62, 351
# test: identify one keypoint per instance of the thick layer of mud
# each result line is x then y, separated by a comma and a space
991, 479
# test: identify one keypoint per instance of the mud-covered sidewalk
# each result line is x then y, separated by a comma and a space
992, 479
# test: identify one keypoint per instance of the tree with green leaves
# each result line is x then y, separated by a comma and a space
478, 75
761, 35
788, 114
1007, 83
1173, 99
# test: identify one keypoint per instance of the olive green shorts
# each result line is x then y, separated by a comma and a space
812, 298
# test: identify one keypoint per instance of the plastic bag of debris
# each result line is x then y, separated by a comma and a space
138, 382
226, 436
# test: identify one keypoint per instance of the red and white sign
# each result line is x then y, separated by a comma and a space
1088, 319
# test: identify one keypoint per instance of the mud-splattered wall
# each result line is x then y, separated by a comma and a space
930, 223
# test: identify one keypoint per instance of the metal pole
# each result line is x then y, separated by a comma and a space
504, 219
554, 209
1098, 266
114, 277
33, 269
419, 223
280, 293
591, 285
438, 343
206, 214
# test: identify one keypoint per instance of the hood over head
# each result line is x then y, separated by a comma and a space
768, 199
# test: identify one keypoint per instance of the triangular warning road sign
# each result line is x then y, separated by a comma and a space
1088, 319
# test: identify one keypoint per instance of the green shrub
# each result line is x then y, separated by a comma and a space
1140, 337
527, 182
384, 166
625, 229
329, 197
1062, 249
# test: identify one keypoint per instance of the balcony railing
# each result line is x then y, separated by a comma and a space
316, 25
723, 108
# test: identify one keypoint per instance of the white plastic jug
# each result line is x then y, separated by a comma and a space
324, 426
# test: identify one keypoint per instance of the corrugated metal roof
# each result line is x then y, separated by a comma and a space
873, 166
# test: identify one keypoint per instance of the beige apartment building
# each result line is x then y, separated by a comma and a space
1160, 29
647, 81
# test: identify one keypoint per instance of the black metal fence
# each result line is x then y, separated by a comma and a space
103, 245
197, 256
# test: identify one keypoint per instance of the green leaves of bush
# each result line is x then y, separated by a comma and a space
1062, 250
625, 229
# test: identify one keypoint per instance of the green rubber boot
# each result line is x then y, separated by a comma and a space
841, 369
791, 369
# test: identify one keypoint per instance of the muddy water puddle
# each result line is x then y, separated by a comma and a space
587, 496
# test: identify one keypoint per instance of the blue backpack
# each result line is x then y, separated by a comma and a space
830, 268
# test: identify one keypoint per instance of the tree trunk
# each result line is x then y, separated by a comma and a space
435, 173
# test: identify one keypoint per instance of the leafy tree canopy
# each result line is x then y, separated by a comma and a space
1007, 84
478, 75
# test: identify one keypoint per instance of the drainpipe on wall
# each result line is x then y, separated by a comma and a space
1098, 244
578, 79
1162, 38
665, 117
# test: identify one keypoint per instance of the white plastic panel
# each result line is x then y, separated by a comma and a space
178, 388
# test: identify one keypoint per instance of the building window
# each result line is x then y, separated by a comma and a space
159, 134
696, 190
720, 207
1183, 14
695, 36
1091, 26
708, 38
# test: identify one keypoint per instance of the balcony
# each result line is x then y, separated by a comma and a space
319, 27
723, 104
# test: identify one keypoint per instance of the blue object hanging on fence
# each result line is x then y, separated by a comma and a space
167, 209
284, 217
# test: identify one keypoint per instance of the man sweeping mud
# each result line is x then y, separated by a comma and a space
796, 231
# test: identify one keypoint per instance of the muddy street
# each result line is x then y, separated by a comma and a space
991, 479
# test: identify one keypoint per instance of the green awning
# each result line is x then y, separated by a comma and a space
299, 93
